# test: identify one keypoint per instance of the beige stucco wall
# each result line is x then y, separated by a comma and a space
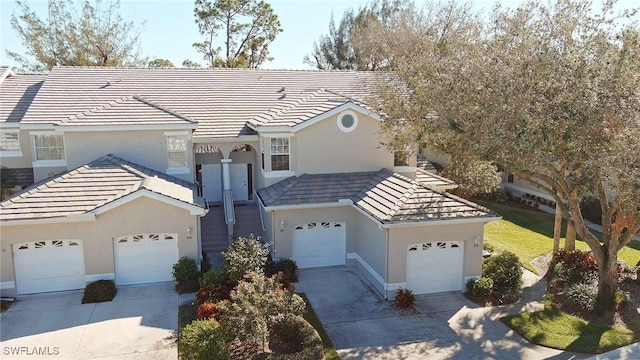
371, 248
139, 216
282, 240
401, 238
146, 148
324, 148
24, 161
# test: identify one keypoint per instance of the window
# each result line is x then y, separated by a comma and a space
347, 121
279, 154
177, 151
510, 178
9, 141
48, 147
400, 158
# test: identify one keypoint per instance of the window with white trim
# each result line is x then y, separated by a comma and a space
177, 151
48, 147
279, 154
9, 141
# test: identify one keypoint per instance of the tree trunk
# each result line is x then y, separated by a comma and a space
608, 279
570, 238
557, 228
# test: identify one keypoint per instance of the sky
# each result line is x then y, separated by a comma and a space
169, 28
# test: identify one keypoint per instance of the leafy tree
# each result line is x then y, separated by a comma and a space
191, 64
243, 256
549, 92
361, 39
474, 177
93, 36
7, 183
257, 303
160, 63
247, 27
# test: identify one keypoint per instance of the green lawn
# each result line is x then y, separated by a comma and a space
559, 330
529, 234
330, 352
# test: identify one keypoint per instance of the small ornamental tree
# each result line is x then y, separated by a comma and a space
256, 304
245, 255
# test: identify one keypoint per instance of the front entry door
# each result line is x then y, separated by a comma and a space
212, 182
239, 183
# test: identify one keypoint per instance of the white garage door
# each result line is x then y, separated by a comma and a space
50, 265
145, 258
435, 267
318, 244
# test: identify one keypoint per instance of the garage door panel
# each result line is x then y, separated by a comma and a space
50, 265
435, 267
317, 244
145, 258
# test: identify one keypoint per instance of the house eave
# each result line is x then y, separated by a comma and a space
51, 220
458, 221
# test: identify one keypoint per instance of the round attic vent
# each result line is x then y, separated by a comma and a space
347, 121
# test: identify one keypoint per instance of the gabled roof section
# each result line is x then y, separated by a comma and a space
388, 197
221, 101
17, 92
128, 110
93, 186
304, 109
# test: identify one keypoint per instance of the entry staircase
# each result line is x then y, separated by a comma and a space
217, 233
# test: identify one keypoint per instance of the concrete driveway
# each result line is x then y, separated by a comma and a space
362, 325
140, 323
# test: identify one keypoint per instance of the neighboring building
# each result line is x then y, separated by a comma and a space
129, 161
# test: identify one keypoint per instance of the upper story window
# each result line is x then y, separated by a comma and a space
48, 147
279, 154
347, 121
10, 143
177, 151
400, 158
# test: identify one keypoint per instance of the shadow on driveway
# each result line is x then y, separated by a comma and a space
362, 325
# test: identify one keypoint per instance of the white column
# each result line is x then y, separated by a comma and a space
226, 174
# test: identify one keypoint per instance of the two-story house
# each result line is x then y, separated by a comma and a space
138, 167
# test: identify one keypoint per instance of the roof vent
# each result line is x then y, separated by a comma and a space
281, 90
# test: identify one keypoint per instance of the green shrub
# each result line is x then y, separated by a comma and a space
481, 287
293, 338
505, 272
591, 210
99, 291
583, 295
287, 266
214, 277
243, 256
405, 298
204, 340
185, 273
578, 265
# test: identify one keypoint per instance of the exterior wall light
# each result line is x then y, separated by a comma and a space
189, 232
476, 241
282, 224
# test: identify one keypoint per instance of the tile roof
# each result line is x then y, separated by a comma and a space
16, 94
388, 197
432, 180
221, 101
91, 186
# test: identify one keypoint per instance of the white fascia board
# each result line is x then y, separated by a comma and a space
214, 140
93, 128
475, 220
275, 129
193, 210
43, 127
6, 74
55, 220
335, 111
10, 125
339, 203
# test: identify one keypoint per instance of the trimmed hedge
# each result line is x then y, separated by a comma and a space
204, 340
185, 273
99, 291
293, 338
